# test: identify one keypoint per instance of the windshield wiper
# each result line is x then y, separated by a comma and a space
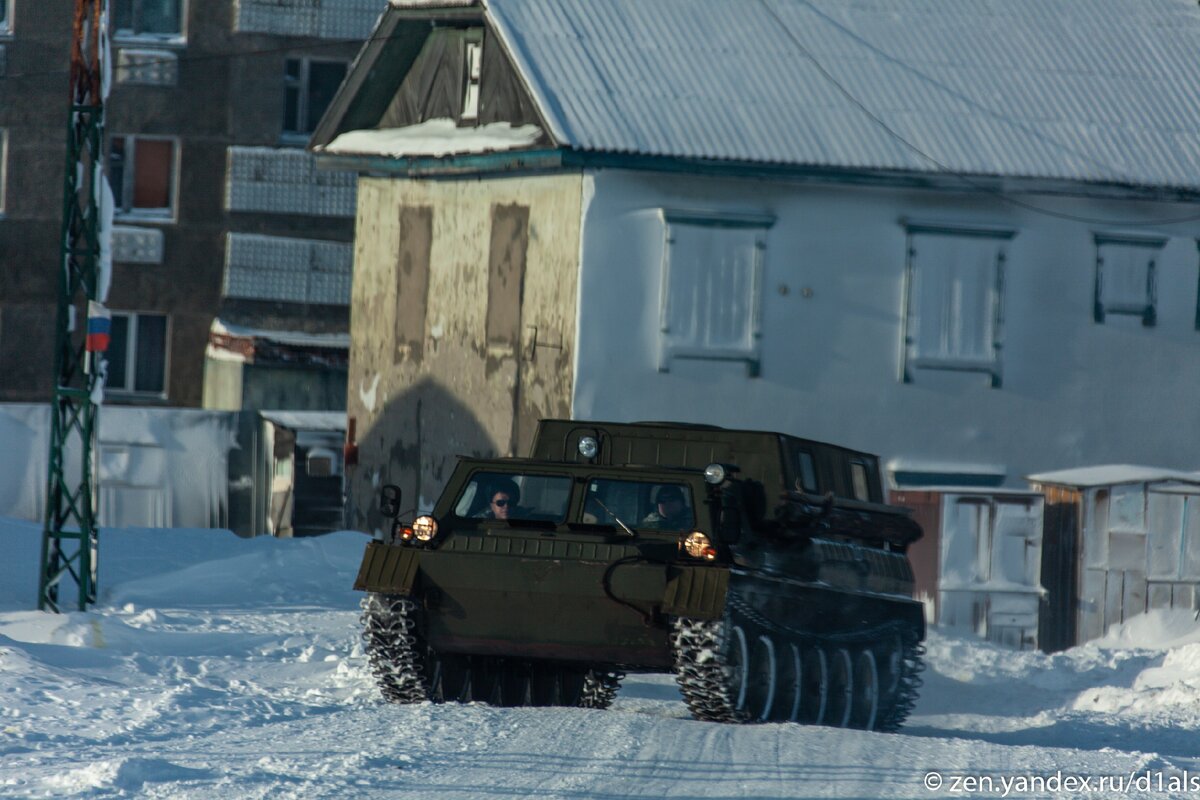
628, 530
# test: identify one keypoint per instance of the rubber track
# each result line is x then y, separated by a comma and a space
388, 638
396, 656
703, 674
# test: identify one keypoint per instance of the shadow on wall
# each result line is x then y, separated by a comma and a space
413, 443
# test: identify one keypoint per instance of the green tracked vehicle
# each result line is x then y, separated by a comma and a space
763, 570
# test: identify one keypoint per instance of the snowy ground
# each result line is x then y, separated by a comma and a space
220, 667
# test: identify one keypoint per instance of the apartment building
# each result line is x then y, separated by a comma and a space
232, 254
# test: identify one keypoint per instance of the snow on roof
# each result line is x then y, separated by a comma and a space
974, 491
308, 420
1112, 475
293, 338
435, 137
1056, 89
430, 3
904, 464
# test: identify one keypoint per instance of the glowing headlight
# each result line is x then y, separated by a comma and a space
697, 545
714, 473
588, 447
425, 528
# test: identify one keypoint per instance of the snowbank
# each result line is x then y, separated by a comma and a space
216, 666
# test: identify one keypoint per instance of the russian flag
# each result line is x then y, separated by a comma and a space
99, 327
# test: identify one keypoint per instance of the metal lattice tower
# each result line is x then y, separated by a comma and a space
70, 535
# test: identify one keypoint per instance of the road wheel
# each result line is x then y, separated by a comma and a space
865, 706
814, 680
841, 688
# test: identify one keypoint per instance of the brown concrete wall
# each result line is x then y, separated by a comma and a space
474, 383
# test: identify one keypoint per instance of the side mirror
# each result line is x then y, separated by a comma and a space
389, 501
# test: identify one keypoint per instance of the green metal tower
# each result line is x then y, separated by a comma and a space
70, 535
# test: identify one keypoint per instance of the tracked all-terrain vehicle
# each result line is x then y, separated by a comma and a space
763, 570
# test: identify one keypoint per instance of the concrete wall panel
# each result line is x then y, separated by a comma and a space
457, 393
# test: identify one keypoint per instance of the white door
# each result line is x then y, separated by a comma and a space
991, 557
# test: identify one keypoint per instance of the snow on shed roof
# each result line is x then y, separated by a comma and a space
308, 420
1098, 91
1112, 475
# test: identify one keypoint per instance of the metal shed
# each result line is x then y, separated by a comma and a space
1133, 535
979, 564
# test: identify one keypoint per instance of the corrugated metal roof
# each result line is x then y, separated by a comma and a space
1102, 90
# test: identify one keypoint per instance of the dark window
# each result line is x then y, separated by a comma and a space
515, 496
3, 15
142, 174
807, 471
137, 353
152, 18
3, 165
1125, 284
308, 89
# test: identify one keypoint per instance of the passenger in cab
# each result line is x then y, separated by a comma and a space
671, 511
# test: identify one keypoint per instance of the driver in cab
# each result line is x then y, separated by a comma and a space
502, 501
671, 510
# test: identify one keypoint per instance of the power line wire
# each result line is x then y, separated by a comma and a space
945, 168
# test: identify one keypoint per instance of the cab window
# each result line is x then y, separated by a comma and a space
806, 472
639, 504
859, 480
514, 496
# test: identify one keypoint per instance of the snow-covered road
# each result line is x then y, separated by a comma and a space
222, 667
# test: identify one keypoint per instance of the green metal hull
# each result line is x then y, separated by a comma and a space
566, 598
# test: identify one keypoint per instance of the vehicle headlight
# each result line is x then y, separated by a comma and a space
588, 447
425, 528
714, 473
697, 545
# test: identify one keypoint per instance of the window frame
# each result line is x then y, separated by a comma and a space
911, 356
638, 523
133, 36
302, 84
1148, 310
480, 476
4, 137
126, 211
472, 75
131, 357
859, 469
751, 352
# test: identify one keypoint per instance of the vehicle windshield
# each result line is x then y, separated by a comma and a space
514, 496
639, 504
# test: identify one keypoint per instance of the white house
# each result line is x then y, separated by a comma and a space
959, 233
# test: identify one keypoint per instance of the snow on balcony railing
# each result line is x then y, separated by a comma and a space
147, 66
137, 245
327, 19
286, 181
289, 270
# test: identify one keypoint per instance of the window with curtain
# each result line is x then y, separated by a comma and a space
711, 287
954, 291
143, 174
1125, 276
